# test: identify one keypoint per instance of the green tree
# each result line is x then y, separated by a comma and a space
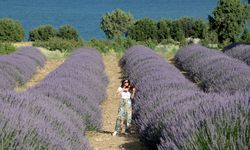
68, 32
201, 29
177, 32
164, 29
144, 29
188, 26
11, 30
246, 36
42, 33
116, 23
228, 20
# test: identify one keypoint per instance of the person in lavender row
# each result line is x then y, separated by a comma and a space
126, 91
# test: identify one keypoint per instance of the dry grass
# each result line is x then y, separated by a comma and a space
20, 44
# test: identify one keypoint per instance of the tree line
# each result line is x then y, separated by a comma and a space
226, 24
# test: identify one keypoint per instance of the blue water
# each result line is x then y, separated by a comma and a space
85, 15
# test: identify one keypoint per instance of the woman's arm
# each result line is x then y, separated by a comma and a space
133, 93
119, 90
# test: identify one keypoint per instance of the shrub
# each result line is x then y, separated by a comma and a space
11, 30
177, 32
164, 29
118, 45
18, 67
201, 29
219, 122
56, 43
156, 98
6, 48
216, 71
42, 33
68, 32
36, 122
210, 40
79, 83
172, 113
142, 30
239, 51
245, 36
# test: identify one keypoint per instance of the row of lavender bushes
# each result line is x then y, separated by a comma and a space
18, 67
80, 83
216, 71
56, 113
239, 51
31, 121
172, 113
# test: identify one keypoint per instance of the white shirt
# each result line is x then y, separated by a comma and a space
124, 94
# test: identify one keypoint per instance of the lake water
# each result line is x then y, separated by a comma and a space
85, 15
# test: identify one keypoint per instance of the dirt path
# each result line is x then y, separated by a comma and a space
41, 73
103, 140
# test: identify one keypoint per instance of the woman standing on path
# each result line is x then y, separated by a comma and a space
125, 107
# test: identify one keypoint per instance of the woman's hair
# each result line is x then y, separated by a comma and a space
132, 86
123, 82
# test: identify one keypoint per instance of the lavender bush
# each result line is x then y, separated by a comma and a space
217, 72
172, 113
241, 52
160, 89
30, 121
220, 122
18, 67
80, 83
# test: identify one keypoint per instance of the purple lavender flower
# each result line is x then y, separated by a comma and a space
18, 67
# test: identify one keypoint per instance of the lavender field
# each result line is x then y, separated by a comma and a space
170, 111
18, 67
55, 113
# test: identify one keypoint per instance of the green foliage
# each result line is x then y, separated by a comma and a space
6, 48
8, 138
42, 33
179, 29
116, 23
11, 30
143, 29
118, 45
167, 50
187, 24
148, 43
176, 31
246, 36
211, 40
229, 20
222, 135
164, 29
57, 43
201, 29
54, 55
68, 32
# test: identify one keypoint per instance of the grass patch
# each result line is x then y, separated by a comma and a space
168, 51
6, 48
54, 55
